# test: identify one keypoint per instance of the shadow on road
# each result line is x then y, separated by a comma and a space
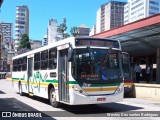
1, 92
40, 99
101, 108
16, 106
87, 110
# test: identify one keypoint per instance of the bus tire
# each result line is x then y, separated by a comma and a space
20, 90
52, 98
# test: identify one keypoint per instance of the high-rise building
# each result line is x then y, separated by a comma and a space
83, 30
98, 21
7, 31
7, 43
22, 23
45, 40
35, 44
93, 30
109, 16
52, 31
138, 9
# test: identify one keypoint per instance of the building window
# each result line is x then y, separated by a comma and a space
137, 6
154, 8
23, 10
153, 2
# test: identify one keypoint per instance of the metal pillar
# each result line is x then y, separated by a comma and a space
158, 67
152, 62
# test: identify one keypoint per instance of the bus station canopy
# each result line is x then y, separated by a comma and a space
139, 38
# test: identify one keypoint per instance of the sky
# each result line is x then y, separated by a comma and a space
76, 12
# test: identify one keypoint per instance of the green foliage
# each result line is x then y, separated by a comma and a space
74, 31
24, 43
62, 28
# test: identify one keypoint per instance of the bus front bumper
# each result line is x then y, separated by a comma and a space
78, 99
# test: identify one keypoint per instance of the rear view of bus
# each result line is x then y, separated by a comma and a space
96, 67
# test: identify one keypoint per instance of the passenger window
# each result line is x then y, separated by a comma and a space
37, 61
44, 60
24, 64
53, 58
20, 64
15, 65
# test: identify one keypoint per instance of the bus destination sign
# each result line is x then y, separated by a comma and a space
97, 43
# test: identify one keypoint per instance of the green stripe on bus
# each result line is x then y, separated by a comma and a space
51, 81
48, 81
17, 78
110, 84
72, 82
56, 81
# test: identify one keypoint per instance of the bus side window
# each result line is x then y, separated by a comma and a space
19, 64
15, 65
52, 58
37, 61
24, 64
44, 60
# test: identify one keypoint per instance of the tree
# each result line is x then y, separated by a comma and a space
24, 43
74, 31
62, 28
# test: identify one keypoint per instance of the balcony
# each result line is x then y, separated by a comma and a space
16, 42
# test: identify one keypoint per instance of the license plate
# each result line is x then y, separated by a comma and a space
101, 99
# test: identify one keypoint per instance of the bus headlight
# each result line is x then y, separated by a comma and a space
80, 91
120, 88
74, 88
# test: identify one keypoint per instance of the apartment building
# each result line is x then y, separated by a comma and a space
22, 23
137, 9
109, 15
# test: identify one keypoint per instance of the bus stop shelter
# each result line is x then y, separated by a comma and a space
141, 39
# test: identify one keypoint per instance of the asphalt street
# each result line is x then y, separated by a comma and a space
129, 108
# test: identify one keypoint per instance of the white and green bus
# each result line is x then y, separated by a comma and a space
73, 71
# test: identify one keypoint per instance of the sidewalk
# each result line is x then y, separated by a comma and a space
148, 91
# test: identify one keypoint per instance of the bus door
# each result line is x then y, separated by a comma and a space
30, 72
63, 75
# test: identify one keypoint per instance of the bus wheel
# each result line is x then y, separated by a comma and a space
52, 99
20, 89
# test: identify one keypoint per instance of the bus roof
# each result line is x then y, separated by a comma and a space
58, 43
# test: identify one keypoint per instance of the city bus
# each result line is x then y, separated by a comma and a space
73, 71
128, 83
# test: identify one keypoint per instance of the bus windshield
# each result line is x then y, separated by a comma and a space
96, 64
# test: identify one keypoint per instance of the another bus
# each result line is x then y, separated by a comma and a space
73, 71
128, 83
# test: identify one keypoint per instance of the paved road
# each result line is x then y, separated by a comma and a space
10, 100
